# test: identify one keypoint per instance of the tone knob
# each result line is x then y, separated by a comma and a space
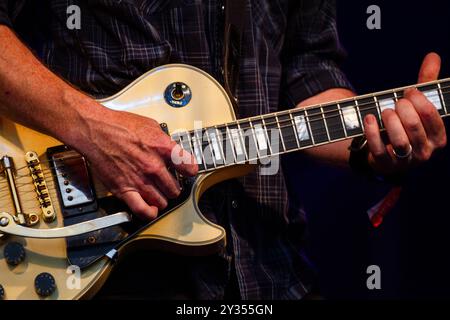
2, 292
14, 253
45, 284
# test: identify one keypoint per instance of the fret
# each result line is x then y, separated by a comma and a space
341, 114
334, 121
226, 144
209, 155
317, 125
326, 127
280, 134
396, 97
288, 133
266, 135
249, 140
273, 134
352, 120
262, 143
216, 142
445, 91
189, 138
230, 143
377, 104
180, 139
368, 106
239, 149
198, 153
442, 98
184, 140
302, 128
361, 120
297, 130
432, 94
386, 101
255, 140
305, 119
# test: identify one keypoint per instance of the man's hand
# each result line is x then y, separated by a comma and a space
415, 127
131, 154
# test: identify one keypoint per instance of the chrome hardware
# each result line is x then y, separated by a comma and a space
48, 212
20, 217
4, 221
63, 232
112, 254
73, 179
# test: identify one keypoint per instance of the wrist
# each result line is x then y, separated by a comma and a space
82, 114
362, 163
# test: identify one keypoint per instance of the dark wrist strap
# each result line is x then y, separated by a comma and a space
359, 157
359, 163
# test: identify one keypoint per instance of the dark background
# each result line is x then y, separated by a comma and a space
412, 245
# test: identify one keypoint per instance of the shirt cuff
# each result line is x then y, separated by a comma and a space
305, 84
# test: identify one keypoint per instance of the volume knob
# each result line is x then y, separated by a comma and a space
14, 253
44, 284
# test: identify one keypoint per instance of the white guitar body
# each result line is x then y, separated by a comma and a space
183, 230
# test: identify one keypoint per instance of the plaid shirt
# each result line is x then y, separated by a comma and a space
291, 50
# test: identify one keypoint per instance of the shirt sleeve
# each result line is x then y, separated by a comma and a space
312, 52
9, 10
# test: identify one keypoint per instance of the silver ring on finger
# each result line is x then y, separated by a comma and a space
405, 155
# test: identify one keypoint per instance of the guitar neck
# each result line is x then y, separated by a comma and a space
253, 139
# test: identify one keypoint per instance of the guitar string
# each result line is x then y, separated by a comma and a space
291, 111
289, 137
321, 117
52, 188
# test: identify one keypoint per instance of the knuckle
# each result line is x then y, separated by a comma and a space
378, 154
153, 214
428, 111
403, 103
162, 203
413, 126
416, 94
442, 142
155, 200
387, 114
423, 155
176, 192
141, 209
153, 168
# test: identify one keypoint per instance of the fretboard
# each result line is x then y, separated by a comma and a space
252, 139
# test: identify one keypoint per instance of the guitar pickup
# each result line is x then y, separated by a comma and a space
73, 180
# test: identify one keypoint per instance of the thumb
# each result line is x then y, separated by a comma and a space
431, 65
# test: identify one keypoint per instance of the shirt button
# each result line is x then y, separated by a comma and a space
234, 204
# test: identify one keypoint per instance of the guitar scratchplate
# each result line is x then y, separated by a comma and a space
73, 180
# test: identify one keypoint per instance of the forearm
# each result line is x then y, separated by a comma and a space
335, 153
32, 95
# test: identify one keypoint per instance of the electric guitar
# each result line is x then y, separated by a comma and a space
61, 230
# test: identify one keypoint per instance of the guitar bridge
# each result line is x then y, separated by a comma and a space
7, 166
48, 211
